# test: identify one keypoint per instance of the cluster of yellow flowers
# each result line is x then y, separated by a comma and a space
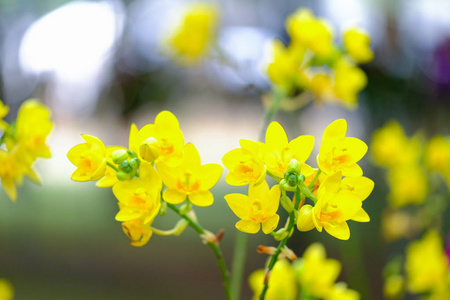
426, 270
313, 62
313, 275
196, 33
335, 199
156, 157
21, 143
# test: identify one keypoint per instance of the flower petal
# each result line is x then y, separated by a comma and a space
270, 224
201, 198
209, 175
239, 204
276, 136
338, 230
248, 226
302, 147
173, 196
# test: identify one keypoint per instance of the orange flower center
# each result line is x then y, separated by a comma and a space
188, 184
257, 214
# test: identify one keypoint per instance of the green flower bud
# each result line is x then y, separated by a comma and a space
286, 175
132, 154
301, 178
150, 149
119, 156
123, 176
292, 181
134, 163
294, 166
125, 167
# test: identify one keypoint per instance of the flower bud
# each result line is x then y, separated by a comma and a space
119, 156
294, 166
123, 176
304, 219
301, 178
134, 163
292, 181
150, 149
125, 167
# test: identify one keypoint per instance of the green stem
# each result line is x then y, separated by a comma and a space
273, 176
214, 247
112, 166
311, 185
280, 247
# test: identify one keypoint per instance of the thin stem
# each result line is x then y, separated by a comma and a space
112, 166
282, 244
214, 247
273, 176
311, 185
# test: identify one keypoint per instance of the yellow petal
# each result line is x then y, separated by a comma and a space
173, 196
167, 120
361, 216
304, 219
272, 200
248, 226
259, 191
302, 147
270, 224
209, 175
239, 204
352, 170
100, 171
201, 198
338, 230
360, 186
149, 174
191, 158
276, 136
336, 129
10, 188
356, 148
348, 204
132, 139
126, 214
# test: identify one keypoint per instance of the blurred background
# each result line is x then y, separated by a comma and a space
100, 66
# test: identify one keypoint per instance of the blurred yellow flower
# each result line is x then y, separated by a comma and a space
33, 125
426, 264
159, 142
340, 153
246, 164
285, 70
335, 205
259, 207
341, 292
317, 273
4, 109
349, 80
282, 282
357, 44
196, 33
89, 158
137, 231
408, 186
190, 179
279, 151
310, 32
139, 197
391, 148
393, 286
437, 155
6, 290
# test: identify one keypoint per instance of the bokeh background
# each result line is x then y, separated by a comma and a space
99, 67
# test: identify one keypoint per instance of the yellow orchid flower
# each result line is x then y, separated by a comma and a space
335, 205
408, 186
110, 176
196, 33
89, 158
259, 207
246, 164
349, 80
190, 179
313, 33
159, 142
6, 290
316, 272
279, 151
391, 147
32, 128
285, 69
437, 155
139, 197
361, 187
357, 44
340, 153
282, 282
137, 231
12, 171
426, 264
341, 292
